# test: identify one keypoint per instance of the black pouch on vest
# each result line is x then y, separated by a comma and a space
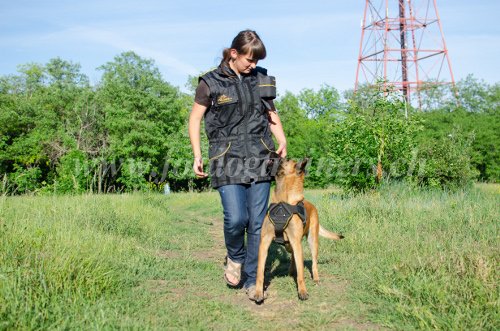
267, 87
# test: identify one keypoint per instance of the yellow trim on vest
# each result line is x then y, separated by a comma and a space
263, 143
222, 154
267, 85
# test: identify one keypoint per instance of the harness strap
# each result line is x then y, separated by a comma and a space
280, 215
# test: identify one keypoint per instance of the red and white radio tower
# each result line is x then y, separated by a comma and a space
403, 47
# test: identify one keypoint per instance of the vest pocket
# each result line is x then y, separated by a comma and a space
225, 107
228, 96
218, 153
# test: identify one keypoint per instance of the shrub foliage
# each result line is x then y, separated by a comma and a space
128, 132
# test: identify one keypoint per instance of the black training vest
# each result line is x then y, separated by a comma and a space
237, 127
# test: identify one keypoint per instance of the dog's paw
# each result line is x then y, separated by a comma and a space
256, 295
303, 295
258, 298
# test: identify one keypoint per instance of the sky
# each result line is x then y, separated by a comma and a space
309, 43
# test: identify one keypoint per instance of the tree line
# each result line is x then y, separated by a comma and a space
128, 132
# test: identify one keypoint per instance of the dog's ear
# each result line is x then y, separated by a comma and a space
301, 166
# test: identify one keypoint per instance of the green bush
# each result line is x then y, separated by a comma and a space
372, 142
71, 173
485, 156
446, 162
25, 180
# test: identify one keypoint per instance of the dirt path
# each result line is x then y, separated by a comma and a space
329, 300
276, 305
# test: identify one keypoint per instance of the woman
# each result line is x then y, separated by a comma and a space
235, 99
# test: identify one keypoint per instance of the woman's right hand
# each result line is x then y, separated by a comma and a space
281, 151
198, 168
194, 136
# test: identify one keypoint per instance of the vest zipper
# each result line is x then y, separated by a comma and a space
250, 106
245, 116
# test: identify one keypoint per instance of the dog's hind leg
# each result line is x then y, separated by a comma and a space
313, 239
292, 270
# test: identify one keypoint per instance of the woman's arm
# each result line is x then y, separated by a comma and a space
194, 135
277, 130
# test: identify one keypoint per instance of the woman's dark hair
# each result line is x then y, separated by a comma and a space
246, 42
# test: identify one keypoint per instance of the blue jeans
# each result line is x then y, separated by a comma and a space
245, 206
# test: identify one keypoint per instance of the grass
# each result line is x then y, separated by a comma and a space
411, 260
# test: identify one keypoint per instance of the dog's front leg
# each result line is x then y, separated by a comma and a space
295, 238
266, 237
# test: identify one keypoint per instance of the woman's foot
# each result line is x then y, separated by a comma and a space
232, 273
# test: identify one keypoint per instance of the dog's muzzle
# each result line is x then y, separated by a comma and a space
273, 163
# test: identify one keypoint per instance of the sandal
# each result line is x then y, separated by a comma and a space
232, 269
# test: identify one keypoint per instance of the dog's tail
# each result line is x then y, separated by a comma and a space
330, 235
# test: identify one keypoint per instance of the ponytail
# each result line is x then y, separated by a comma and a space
226, 55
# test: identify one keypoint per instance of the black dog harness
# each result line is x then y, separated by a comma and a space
280, 215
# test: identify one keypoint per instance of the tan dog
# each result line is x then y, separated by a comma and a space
290, 189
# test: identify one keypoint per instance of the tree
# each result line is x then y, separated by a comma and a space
324, 103
473, 95
141, 113
39, 105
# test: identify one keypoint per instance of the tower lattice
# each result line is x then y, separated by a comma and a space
403, 47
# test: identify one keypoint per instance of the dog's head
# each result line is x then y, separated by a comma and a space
291, 171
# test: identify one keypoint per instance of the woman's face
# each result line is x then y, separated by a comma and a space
242, 63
